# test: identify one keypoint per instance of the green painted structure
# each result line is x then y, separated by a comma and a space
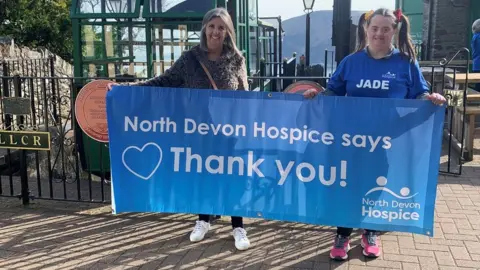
414, 10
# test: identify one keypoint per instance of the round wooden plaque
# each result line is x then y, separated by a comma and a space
91, 110
302, 86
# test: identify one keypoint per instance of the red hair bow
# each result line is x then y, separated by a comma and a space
398, 15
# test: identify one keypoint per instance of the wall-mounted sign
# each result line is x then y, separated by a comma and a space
16, 105
26, 140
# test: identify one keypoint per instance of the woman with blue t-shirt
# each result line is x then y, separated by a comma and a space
377, 69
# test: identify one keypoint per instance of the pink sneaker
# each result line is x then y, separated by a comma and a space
340, 248
370, 245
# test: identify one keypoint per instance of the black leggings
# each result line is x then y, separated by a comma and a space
237, 222
348, 231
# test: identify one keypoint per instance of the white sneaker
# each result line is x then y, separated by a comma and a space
241, 239
198, 233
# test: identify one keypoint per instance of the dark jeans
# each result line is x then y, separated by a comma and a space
348, 231
237, 222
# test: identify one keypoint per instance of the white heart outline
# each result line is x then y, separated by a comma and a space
141, 150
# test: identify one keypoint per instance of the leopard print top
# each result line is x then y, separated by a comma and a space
229, 72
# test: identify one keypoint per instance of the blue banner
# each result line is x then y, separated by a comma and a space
340, 161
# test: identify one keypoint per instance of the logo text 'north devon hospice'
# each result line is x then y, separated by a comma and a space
401, 207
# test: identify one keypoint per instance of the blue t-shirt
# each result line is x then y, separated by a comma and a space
360, 75
476, 51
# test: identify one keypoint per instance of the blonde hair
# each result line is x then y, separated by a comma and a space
476, 26
230, 39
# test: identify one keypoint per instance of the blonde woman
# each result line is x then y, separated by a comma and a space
214, 64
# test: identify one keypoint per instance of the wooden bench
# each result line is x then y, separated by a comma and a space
469, 124
460, 124
461, 78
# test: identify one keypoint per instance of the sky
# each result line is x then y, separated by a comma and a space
292, 8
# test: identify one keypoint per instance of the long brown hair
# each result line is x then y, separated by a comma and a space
401, 24
230, 39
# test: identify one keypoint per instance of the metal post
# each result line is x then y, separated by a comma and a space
307, 41
25, 193
6, 93
325, 63
24, 177
280, 38
275, 65
262, 73
284, 73
55, 99
341, 28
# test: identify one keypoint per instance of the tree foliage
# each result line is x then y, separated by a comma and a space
38, 24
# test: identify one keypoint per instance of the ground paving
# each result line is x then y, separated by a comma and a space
63, 235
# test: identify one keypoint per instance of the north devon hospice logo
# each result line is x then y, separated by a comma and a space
400, 207
389, 75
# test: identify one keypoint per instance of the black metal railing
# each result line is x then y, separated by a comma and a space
58, 174
39, 67
443, 78
274, 69
77, 168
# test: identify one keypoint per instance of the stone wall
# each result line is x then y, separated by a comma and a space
12, 52
36, 65
450, 26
